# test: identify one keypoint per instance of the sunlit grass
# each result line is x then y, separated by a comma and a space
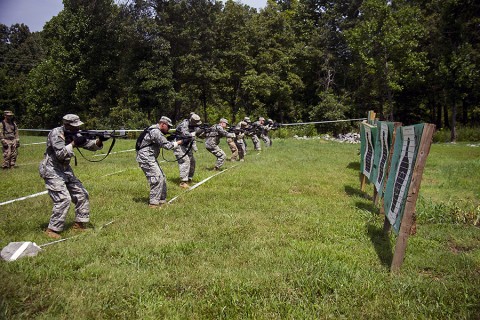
286, 234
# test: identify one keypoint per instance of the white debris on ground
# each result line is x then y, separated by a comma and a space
473, 145
342, 138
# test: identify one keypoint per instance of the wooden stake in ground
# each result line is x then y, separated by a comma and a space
412, 196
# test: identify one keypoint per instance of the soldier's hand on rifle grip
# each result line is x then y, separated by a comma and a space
79, 141
104, 137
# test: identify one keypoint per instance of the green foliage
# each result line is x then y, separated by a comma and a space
291, 61
462, 212
464, 134
285, 234
330, 107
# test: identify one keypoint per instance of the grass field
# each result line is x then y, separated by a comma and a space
285, 235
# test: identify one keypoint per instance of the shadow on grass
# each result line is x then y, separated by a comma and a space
370, 207
381, 243
141, 199
357, 192
354, 165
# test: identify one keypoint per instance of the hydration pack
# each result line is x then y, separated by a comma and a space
141, 137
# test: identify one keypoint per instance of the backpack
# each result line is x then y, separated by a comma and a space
140, 138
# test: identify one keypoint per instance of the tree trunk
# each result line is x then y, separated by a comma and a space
465, 112
453, 131
445, 110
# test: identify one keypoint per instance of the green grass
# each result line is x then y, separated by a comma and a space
285, 235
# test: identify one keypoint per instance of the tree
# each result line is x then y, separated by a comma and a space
386, 41
20, 51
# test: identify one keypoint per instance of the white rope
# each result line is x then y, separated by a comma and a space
141, 130
200, 183
316, 122
23, 198
104, 154
34, 143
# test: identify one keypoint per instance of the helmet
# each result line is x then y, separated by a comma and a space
195, 119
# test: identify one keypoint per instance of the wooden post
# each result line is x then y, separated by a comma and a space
363, 181
412, 196
371, 117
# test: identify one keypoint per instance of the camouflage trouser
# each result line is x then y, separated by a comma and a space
186, 165
233, 148
241, 148
256, 143
63, 188
266, 139
10, 153
156, 180
217, 152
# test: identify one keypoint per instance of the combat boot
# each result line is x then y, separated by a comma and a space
155, 206
79, 226
184, 185
52, 234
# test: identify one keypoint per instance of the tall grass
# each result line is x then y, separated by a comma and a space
464, 134
286, 234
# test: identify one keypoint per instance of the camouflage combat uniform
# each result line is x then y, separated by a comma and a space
10, 141
254, 128
62, 185
147, 160
233, 148
239, 142
264, 135
213, 139
186, 164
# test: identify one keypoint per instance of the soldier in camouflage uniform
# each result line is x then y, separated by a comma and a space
184, 153
239, 142
10, 140
62, 185
213, 139
252, 131
265, 128
149, 149
233, 148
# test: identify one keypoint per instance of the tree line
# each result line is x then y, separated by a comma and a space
126, 64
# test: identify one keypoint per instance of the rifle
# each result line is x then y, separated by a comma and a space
174, 136
92, 135
236, 130
275, 126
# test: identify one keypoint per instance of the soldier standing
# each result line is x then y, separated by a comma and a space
233, 147
148, 149
10, 140
239, 142
62, 184
264, 132
252, 131
213, 139
184, 153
